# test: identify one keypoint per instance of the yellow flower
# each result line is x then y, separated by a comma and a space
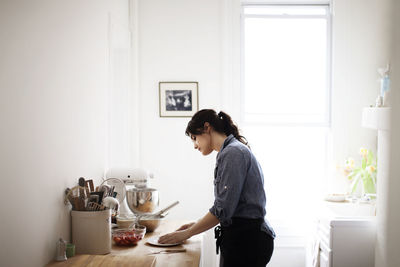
363, 152
349, 164
371, 169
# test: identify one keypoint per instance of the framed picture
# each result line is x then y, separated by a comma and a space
178, 99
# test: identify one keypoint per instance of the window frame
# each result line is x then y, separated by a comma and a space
328, 112
289, 236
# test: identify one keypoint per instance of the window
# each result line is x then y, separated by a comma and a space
286, 103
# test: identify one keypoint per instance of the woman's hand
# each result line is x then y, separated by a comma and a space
185, 226
187, 230
174, 237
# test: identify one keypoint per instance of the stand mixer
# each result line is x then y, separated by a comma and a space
140, 199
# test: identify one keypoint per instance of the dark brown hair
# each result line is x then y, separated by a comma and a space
220, 122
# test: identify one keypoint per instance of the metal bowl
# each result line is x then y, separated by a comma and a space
142, 200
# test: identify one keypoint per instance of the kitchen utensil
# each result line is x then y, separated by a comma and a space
69, 197
100, 196
115, 185
166, 209
142, 200
89, 183
77, 200
81, 183
93, 206
76, 191
166, 251
152, 221
154, 241
93, 198
105, 189
83, 194
87, 191
79, 204
111, 203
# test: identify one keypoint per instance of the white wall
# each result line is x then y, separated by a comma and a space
178, 41
360, 47
54, 75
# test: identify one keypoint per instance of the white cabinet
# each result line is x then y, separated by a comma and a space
323, 260
346, 241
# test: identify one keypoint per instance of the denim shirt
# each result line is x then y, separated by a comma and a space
238, 185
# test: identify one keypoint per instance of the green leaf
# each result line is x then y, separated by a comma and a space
363, 163
373, 176
369, 186
355, 182
351, 175
370, 157
365, 173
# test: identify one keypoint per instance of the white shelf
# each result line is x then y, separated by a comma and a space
376, 118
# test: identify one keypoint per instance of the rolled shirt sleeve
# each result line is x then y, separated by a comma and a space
230, 174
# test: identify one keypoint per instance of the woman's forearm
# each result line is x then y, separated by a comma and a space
205, 223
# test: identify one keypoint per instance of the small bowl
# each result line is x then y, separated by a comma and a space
125, 221
335, 197
128, 237
140, 230
151, 223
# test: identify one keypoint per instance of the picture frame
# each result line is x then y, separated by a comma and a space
178, 99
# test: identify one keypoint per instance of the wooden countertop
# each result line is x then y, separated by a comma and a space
137, 255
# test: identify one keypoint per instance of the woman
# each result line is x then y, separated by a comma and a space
244, 236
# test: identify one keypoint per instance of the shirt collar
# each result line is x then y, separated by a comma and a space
227, 141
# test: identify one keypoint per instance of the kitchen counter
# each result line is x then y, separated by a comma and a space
347, 209
137, 255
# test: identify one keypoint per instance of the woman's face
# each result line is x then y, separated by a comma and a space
202, 142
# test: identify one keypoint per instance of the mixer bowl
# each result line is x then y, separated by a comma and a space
142, 200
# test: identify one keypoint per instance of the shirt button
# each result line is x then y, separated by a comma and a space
225, 187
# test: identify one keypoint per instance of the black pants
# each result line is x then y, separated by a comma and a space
243, 244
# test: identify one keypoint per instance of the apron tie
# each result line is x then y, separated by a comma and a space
218, 236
